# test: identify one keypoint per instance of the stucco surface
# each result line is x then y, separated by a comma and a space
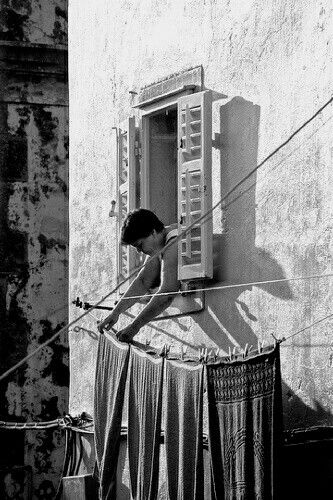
273, 63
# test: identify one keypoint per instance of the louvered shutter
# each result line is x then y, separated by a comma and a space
195, 185
126, 192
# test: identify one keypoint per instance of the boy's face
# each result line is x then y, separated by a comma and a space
146, 245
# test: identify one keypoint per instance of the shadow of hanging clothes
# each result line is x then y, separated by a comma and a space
245, 426
110, 383
144, 423
183, 430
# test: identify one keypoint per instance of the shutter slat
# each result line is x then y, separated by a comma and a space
126, 191
194, 185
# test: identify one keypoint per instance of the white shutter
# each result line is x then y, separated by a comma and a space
195, 185
126, 192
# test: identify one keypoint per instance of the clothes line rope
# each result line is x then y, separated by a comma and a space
236, 285
200, 221
82, 421
284, 339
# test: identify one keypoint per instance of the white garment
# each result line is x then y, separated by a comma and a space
171, 234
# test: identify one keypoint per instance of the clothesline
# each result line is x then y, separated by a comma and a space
236, 285
200, 221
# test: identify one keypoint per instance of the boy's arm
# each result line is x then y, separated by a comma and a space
158, 303
140, 286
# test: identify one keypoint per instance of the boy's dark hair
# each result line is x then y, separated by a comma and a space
139, 224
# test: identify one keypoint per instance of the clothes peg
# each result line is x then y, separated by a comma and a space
229, 351
165, 350
206, 355
260, 346
234, 353
277, 341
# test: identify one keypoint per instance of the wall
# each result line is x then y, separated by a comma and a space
34, 237
272, 61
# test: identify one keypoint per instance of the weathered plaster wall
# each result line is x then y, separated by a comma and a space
273, 62
34, 21
34, 232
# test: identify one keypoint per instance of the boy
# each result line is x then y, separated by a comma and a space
143, 230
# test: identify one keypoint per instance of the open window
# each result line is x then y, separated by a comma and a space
176, 177
174, 127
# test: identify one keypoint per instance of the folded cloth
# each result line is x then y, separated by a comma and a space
245, 426
144, 423
183, 430
110, 382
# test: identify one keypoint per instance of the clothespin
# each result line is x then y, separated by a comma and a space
216, 354
277, 340
260, 346
206, 355
203, 355
147, 341
229, 352
245, 350
234, 353
183, 351
165, 350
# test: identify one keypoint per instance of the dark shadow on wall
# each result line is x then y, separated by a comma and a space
237, 258
228, 318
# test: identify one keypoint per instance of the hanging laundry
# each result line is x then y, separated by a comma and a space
110, 382
245, 426
183, 430
144, 423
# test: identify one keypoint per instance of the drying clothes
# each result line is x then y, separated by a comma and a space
110, 381
245, 426
183, 430
144, 423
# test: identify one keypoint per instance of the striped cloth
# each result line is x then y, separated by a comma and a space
183, 430
144, 423
110, 382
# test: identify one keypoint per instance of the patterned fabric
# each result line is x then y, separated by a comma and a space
183, 430
110, 382
144, 423
245, 426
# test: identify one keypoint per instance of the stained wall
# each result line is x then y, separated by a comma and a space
269, 65
34, 237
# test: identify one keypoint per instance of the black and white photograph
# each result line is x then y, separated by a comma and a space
166, 250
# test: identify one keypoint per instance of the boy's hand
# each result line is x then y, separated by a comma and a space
127, 334
108, 322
